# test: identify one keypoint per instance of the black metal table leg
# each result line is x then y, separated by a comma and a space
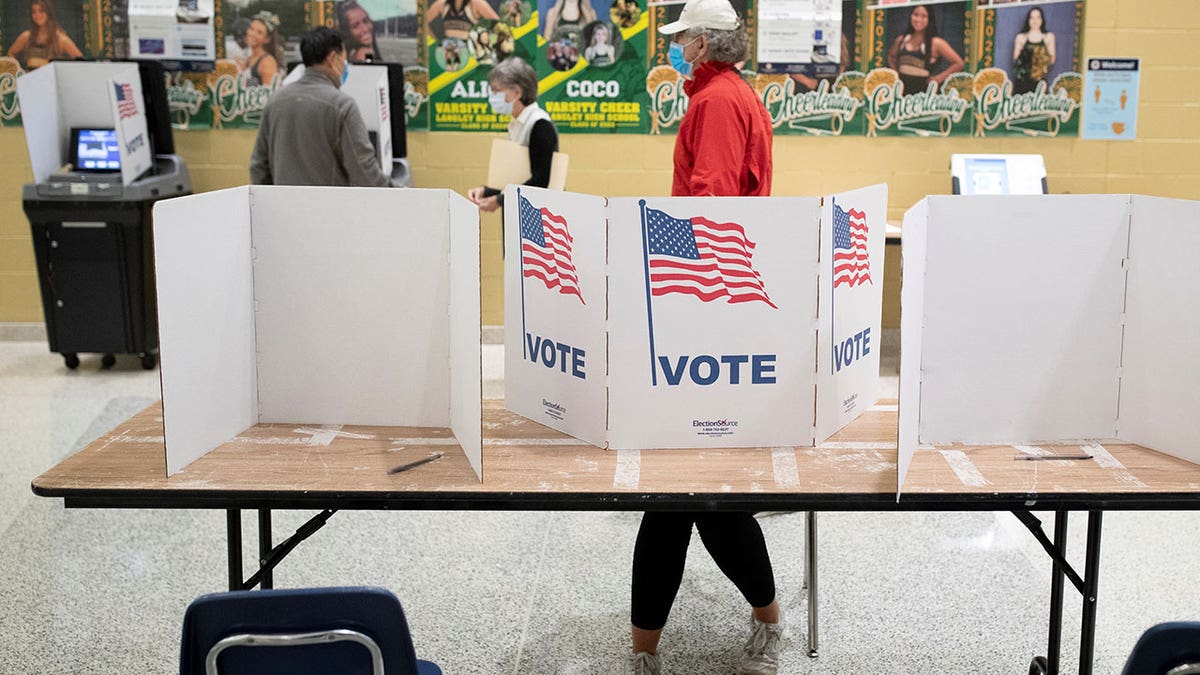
1054, 646
810, 569
1091, 583
272, 555
265, 545
1061, 572
233, 526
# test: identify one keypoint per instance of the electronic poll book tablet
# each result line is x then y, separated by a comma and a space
94, 150
998, 174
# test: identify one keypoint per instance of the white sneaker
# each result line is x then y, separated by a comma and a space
643, 663
760, 656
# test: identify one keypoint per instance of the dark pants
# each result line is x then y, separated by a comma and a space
734, 540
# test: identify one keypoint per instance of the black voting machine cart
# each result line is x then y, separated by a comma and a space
92, 239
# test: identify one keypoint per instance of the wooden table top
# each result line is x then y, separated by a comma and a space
530, 466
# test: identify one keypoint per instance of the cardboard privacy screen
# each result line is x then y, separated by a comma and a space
692, 322
317, 306
66, 95
1050, 318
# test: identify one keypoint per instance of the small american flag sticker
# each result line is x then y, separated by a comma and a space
546, 244
126, 105
851, 261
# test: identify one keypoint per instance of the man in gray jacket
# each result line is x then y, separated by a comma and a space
311, 132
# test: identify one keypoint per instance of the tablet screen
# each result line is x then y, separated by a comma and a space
95, 150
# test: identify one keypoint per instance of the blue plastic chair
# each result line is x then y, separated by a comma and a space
306, 631
1167, 649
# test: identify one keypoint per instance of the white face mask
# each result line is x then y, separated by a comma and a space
499, 105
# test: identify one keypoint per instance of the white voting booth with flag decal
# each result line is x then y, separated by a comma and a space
692, 322
852, 245
66, 95
1067, 319
713, 315
556, 309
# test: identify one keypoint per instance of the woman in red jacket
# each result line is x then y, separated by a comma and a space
723, 149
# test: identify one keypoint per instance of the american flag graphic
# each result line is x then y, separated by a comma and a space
546, 249
851, 262
126, 105
700, 257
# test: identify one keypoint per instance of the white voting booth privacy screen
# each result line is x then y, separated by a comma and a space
368, 86
692, 322
317, 306
1060, 318
66, 95
370, 92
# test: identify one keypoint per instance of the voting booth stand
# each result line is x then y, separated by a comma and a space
693, 322
1034, 320
317, 306
95, 179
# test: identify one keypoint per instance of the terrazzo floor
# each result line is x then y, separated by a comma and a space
104, 591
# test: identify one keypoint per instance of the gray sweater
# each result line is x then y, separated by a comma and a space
313, 134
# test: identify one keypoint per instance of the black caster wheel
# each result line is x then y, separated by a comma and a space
72, 360
1039, 666
149, 361
108, 361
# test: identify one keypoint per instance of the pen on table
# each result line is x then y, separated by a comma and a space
405, 467
1034, 458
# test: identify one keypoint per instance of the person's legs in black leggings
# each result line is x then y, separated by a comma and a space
658, 559
735, 542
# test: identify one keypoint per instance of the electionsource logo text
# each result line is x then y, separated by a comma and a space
553, 409
724, 427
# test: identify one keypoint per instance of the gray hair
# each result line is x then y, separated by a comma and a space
725, 46
514, 73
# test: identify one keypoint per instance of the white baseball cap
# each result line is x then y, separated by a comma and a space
714, 14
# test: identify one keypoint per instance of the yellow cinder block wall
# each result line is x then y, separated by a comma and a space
1164, 160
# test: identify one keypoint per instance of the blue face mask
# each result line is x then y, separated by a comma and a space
499, 105
346, 72
675, 56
